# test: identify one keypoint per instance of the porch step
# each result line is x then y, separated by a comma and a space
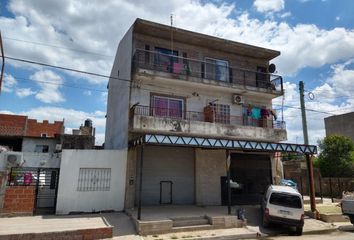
190, 221
192, 228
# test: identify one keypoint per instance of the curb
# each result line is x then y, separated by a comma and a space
323, 231
227, 237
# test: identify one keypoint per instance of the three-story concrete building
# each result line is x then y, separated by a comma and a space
192, 88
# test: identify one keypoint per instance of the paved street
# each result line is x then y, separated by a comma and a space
345, 232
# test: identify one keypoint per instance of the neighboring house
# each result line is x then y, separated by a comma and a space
340, 125
193, 90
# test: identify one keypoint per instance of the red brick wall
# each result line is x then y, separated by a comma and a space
35, 129
12, 125
19, 199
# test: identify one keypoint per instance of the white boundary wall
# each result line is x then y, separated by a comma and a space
71, 200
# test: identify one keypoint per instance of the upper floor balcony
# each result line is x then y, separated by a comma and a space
209, 123
210, 71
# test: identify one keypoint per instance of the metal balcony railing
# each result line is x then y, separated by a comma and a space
175, 114
208, 69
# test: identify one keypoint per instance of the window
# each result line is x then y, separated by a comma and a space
165, 59
222, 113
285, 200
44, 135
262, 78
41, 148
94, 179
168, 107
217, 69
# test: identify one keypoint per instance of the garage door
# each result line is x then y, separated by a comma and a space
168, 175
253, 171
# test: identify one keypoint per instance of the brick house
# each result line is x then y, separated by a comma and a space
191, 109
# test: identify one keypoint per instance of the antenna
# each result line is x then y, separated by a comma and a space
171, 34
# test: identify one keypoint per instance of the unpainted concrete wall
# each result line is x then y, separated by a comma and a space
71, 200
116, 136
210, 165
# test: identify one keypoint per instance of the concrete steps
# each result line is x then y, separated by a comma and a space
190, 221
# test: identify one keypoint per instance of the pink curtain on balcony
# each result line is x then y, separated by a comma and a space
166, 107
160, 107
175, 108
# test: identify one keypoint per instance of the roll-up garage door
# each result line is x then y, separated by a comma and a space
168, 175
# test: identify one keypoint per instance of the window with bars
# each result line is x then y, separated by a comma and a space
222, 113
94, 179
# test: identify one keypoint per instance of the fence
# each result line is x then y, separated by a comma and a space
331, 187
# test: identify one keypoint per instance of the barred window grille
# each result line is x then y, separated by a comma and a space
94, 179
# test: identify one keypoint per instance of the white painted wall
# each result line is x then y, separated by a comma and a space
71, 200
32, 159
29, 144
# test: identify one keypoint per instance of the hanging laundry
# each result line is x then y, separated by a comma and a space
256, 113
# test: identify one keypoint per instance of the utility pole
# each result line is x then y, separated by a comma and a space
303, 112
308, 157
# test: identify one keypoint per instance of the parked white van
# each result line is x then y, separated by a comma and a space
283, 205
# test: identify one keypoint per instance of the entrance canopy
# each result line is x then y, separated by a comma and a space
203, 142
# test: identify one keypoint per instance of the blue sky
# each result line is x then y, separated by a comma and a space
315, 37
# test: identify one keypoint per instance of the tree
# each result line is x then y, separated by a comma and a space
336, 158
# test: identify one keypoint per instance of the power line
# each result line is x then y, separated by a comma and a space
55, 46
126, 80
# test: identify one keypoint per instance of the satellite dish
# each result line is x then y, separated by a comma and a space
271, 68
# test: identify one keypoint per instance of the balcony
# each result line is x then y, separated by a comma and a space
210, 71
145, 119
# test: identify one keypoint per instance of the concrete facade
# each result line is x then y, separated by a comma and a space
72, 199
210, 165
340, 125
118, 102
137, 80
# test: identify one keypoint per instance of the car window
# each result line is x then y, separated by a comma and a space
285, 200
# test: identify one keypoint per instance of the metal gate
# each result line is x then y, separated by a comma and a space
45, 181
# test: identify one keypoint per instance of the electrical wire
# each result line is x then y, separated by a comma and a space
55, 46
127, 80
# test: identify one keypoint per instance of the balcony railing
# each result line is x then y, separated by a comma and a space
208, 69
175, 114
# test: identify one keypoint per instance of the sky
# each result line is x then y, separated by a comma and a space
315, 38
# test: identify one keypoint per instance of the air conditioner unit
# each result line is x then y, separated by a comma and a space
237, 99
58, 147
14, 159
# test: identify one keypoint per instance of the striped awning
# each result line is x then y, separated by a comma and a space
204, 142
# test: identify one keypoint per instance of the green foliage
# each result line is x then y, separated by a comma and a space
337, 156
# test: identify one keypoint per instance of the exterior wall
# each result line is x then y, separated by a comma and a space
77, 141
131, 179
193, 128
118, 96
71, 200
340, 125
36, 129
19, 199
12, 125
29, 144
210, 165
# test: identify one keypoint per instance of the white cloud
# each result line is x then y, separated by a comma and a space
24, 92
269, 5
85, 27
9, 83
72, 118
285, 15
337, 18
87, 93
49, 83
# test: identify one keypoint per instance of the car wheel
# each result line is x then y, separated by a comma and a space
351, 219
298, 231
